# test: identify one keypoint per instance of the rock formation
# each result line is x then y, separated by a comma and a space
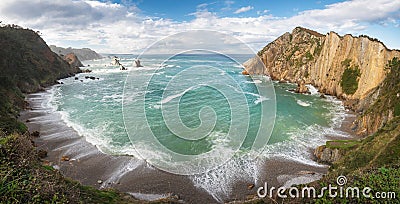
321, 60
327, 155
73, 60
351, 68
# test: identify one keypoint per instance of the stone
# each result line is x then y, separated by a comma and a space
42, 153
244, 72
35, 134
86, 71
327, 155
76, 78
99, 181
250, 186
302, 88
322, 96
65, 158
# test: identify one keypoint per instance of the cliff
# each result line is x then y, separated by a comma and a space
73, 60
82, 54
351, 68
26, 65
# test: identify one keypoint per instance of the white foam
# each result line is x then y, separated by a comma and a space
302, 103
169, 98
312, 89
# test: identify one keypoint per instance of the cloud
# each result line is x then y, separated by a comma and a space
243, 9
120, 28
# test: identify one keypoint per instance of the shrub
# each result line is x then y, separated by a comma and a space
349, 80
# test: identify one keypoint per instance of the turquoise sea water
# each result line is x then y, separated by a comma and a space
94, 109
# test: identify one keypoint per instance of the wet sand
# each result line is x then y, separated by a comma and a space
128, 174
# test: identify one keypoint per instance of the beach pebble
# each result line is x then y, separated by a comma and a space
35, 134
64, 158
42, 153
250, 186
99, 181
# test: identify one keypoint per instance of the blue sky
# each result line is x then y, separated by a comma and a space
129, 26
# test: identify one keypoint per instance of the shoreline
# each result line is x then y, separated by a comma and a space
88, 165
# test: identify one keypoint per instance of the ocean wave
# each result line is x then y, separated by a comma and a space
302, 103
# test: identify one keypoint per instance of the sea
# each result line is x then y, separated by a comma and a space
99, 110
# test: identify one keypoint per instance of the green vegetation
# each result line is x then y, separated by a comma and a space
375, 160
390, 88
27, 65
349, 81
25, 180
309, 56
341, 144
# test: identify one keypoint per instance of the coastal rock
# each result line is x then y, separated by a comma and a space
244, 72
35, 134
42, 153
250, 186
86, 71
99, 181
327, 155
73, 60
320, 60
65, 158
302, 88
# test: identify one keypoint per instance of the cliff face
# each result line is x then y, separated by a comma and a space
26, 65
73, 60
82, 54
348, 67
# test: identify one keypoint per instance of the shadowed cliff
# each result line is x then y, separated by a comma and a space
26, 65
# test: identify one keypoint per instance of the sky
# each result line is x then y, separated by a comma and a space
130, 26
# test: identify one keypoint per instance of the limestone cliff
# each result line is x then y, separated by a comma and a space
321, 60
348, 67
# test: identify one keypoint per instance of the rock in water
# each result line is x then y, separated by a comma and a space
244, 72
302, 88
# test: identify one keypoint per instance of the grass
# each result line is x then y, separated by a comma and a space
342, 144
23, 178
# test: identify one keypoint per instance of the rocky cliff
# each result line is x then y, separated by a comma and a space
348, 67
82, 54
73, 60
26, 65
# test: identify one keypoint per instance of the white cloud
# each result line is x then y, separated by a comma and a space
116, 28
243, 9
